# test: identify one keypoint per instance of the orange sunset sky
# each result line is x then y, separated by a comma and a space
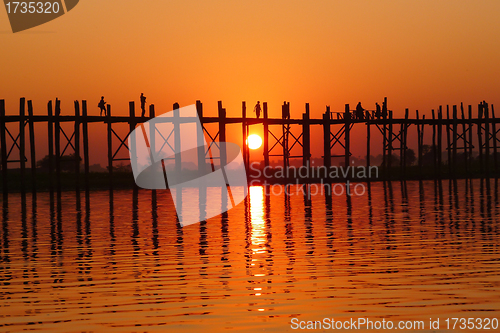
420, 54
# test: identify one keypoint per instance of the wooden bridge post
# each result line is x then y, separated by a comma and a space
247, 149
464, 140
384, 132
152, 112
454, 138
110, 148
327, 160
5, 186
50, 129
479, 137
401, 149
86, 162
200, 139
244, 129
266, 135
31, 128
222, 134
420, 135
487, 139
494, 130
384, 144
152, 136
423, 131
448, 141
434, 144
471, 126
368, 139
402, 146
419, 146
347, 137
22, 144
177, 138
306, 138
132, 122
288, 134
284, 142
152, 133
57, 143
405, 139
390, 148
439, 140
77, 152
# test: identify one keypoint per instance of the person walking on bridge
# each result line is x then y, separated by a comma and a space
359, 111
257, 109
143, 105
384, 110
102, 105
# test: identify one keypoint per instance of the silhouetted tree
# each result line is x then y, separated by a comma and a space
121, 168
394, 160
410, 157
67, 163
428, 154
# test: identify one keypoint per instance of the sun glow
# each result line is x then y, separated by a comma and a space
254, 141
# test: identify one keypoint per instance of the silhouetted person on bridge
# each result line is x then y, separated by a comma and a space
359, 111
143, 105
102, 105
384, 110
285, 110
257, 109
378, 111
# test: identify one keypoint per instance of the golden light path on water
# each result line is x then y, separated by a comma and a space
258, 234
256, 194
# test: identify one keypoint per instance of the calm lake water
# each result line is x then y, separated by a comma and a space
400, 251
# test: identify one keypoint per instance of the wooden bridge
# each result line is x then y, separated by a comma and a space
458, 126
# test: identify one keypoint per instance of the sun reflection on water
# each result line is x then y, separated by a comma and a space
258, 234
258, 239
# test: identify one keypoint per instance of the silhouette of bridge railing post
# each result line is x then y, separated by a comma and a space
77, 152
22, 147
31, 129
327, 158
222, 135
57, 146
3, 148
266, 135
306, 140
200, 141
86, 164
347, 136
494, 138
245, 133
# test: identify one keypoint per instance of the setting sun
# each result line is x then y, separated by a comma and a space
254, 141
